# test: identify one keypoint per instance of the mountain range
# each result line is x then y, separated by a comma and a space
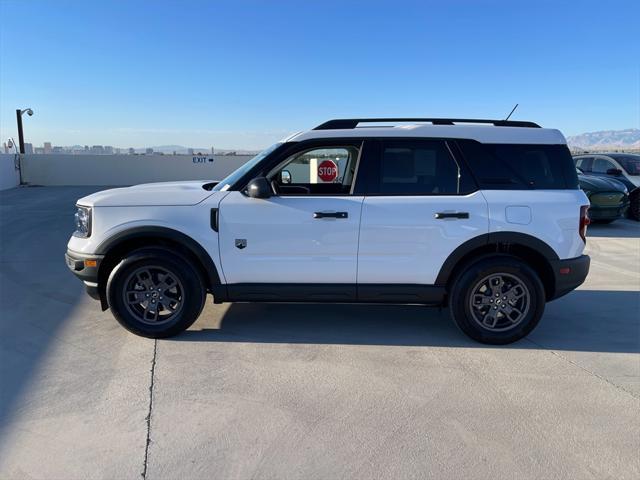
606, 140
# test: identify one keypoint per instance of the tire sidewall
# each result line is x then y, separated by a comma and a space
462, 290
194, 293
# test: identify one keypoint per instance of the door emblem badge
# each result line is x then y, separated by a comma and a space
241, 243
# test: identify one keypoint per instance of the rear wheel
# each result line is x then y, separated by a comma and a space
155, 294
497, 300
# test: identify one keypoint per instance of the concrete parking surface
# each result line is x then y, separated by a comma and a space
309, 391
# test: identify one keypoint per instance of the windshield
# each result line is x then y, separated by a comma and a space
226, 182
631, 163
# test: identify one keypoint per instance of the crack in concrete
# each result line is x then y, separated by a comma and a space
604, 379
148, 418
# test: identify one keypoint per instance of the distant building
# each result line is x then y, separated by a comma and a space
211, 150
86, 148
28, 148
132, 151
97, 149
39, 150
58, 149
47, 147
190, 151
108, 150
117, 151
149, 151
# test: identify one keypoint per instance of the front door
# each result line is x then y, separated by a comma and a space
302, 241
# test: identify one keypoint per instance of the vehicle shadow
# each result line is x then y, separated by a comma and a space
622, 228
37, 291
585, 320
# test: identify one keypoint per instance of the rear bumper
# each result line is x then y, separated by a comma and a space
569, 274
85, 267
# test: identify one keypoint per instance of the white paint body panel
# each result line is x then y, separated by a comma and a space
148, 194
191, 220
481, 133
401, 241
555, 216
285, 244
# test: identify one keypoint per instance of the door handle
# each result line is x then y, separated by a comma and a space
330, 215
443, 215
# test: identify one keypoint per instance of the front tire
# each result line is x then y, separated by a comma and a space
154, 293
497, 300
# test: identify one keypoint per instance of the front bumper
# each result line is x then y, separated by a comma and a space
607, 213
85, 267
569, 274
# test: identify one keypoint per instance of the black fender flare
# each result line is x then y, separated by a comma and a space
494, 238
213, 278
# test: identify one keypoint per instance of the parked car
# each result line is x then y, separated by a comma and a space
623, 167
609, 198
485, 219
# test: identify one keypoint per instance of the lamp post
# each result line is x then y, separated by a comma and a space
19, 114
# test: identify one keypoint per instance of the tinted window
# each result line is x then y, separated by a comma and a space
519, 166
631, 163
601, 165
417, 168
584, 164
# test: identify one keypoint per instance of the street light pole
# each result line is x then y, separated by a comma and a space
20, 133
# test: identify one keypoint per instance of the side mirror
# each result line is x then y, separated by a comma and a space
285, 177
259, 187
614, 171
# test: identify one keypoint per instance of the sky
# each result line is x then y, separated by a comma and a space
243, 74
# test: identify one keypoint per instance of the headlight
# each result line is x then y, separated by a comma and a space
83, 222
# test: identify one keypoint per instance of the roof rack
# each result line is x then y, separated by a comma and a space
349, 123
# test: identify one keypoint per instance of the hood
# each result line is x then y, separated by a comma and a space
600, 184
150, 194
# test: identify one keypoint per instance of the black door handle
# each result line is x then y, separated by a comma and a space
330, 215
442, 215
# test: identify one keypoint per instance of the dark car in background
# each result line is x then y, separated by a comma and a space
608, 198
622, 167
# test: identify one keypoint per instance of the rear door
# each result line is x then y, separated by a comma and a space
420, 205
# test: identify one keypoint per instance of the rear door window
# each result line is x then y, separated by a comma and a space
418, 167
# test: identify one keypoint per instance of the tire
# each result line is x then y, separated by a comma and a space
155, 293
484, 316
634, 204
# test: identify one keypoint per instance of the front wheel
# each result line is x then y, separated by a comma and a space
497, 300
155, 294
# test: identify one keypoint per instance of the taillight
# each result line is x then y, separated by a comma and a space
584, 221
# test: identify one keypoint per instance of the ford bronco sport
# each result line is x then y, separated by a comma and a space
482, 216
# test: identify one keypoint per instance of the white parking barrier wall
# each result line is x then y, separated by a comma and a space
9, 174
100, 170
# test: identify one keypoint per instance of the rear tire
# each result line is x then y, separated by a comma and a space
497, 300
154, 293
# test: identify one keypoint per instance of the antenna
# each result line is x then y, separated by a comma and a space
509, 116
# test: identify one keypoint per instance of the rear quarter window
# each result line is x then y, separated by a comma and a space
520, 166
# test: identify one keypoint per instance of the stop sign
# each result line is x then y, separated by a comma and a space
328, 170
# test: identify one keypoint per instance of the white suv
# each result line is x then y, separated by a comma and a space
484, 216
